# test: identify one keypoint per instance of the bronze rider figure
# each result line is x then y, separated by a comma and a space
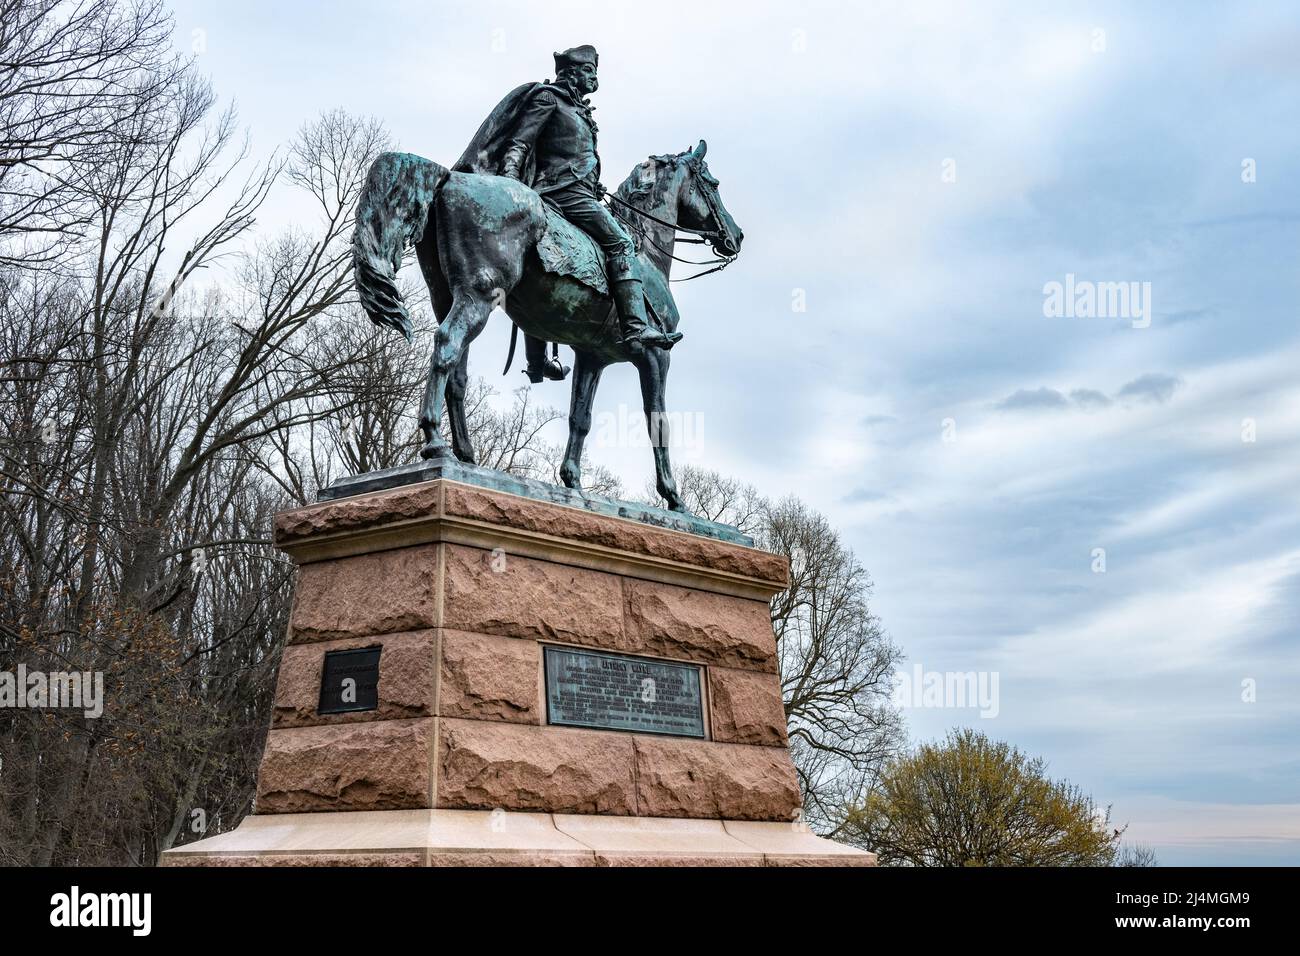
543, 134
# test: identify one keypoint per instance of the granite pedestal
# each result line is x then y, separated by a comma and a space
462, 582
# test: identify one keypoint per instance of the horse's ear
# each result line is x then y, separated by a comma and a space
700, 150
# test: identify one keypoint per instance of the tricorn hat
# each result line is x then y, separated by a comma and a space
575, 56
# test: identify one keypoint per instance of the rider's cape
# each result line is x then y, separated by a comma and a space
487, 150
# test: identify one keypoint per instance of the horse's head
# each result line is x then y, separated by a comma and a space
700, 208
679, 189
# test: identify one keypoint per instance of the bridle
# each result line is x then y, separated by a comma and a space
706, 236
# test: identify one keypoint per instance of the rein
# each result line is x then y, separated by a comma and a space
706, 236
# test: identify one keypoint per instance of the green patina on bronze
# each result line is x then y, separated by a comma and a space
483, 231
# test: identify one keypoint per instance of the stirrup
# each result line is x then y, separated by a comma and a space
551, 369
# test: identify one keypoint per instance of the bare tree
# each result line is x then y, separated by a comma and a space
837, 665
1135, 855
134, 531
716, 497
74, 77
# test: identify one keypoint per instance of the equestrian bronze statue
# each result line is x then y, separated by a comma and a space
518, 222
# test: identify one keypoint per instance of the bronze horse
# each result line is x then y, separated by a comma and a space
475, 237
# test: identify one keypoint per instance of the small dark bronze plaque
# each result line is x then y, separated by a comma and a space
618, 692
349, 681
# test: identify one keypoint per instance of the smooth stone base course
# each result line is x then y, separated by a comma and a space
499, 838
453, 470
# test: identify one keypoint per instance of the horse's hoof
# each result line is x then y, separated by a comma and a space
431, 451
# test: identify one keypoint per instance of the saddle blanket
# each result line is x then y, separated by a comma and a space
568, 251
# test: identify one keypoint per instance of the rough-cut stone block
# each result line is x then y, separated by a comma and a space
383, 765
490, 678
483, 765
669, 621
380, 593
690, 778
357, 514
521, 597
747, 707
407, 679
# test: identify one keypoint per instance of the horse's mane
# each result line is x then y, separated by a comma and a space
644, 194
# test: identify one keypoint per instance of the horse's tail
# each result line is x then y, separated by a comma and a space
392, 211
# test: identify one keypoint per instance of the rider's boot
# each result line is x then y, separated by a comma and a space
629, 297
539, 365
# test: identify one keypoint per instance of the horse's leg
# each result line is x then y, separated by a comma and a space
481, 262
439, 293
469, 313
456, 384
652, 365
586, 376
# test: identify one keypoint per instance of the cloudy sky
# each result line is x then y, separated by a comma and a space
910, 177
